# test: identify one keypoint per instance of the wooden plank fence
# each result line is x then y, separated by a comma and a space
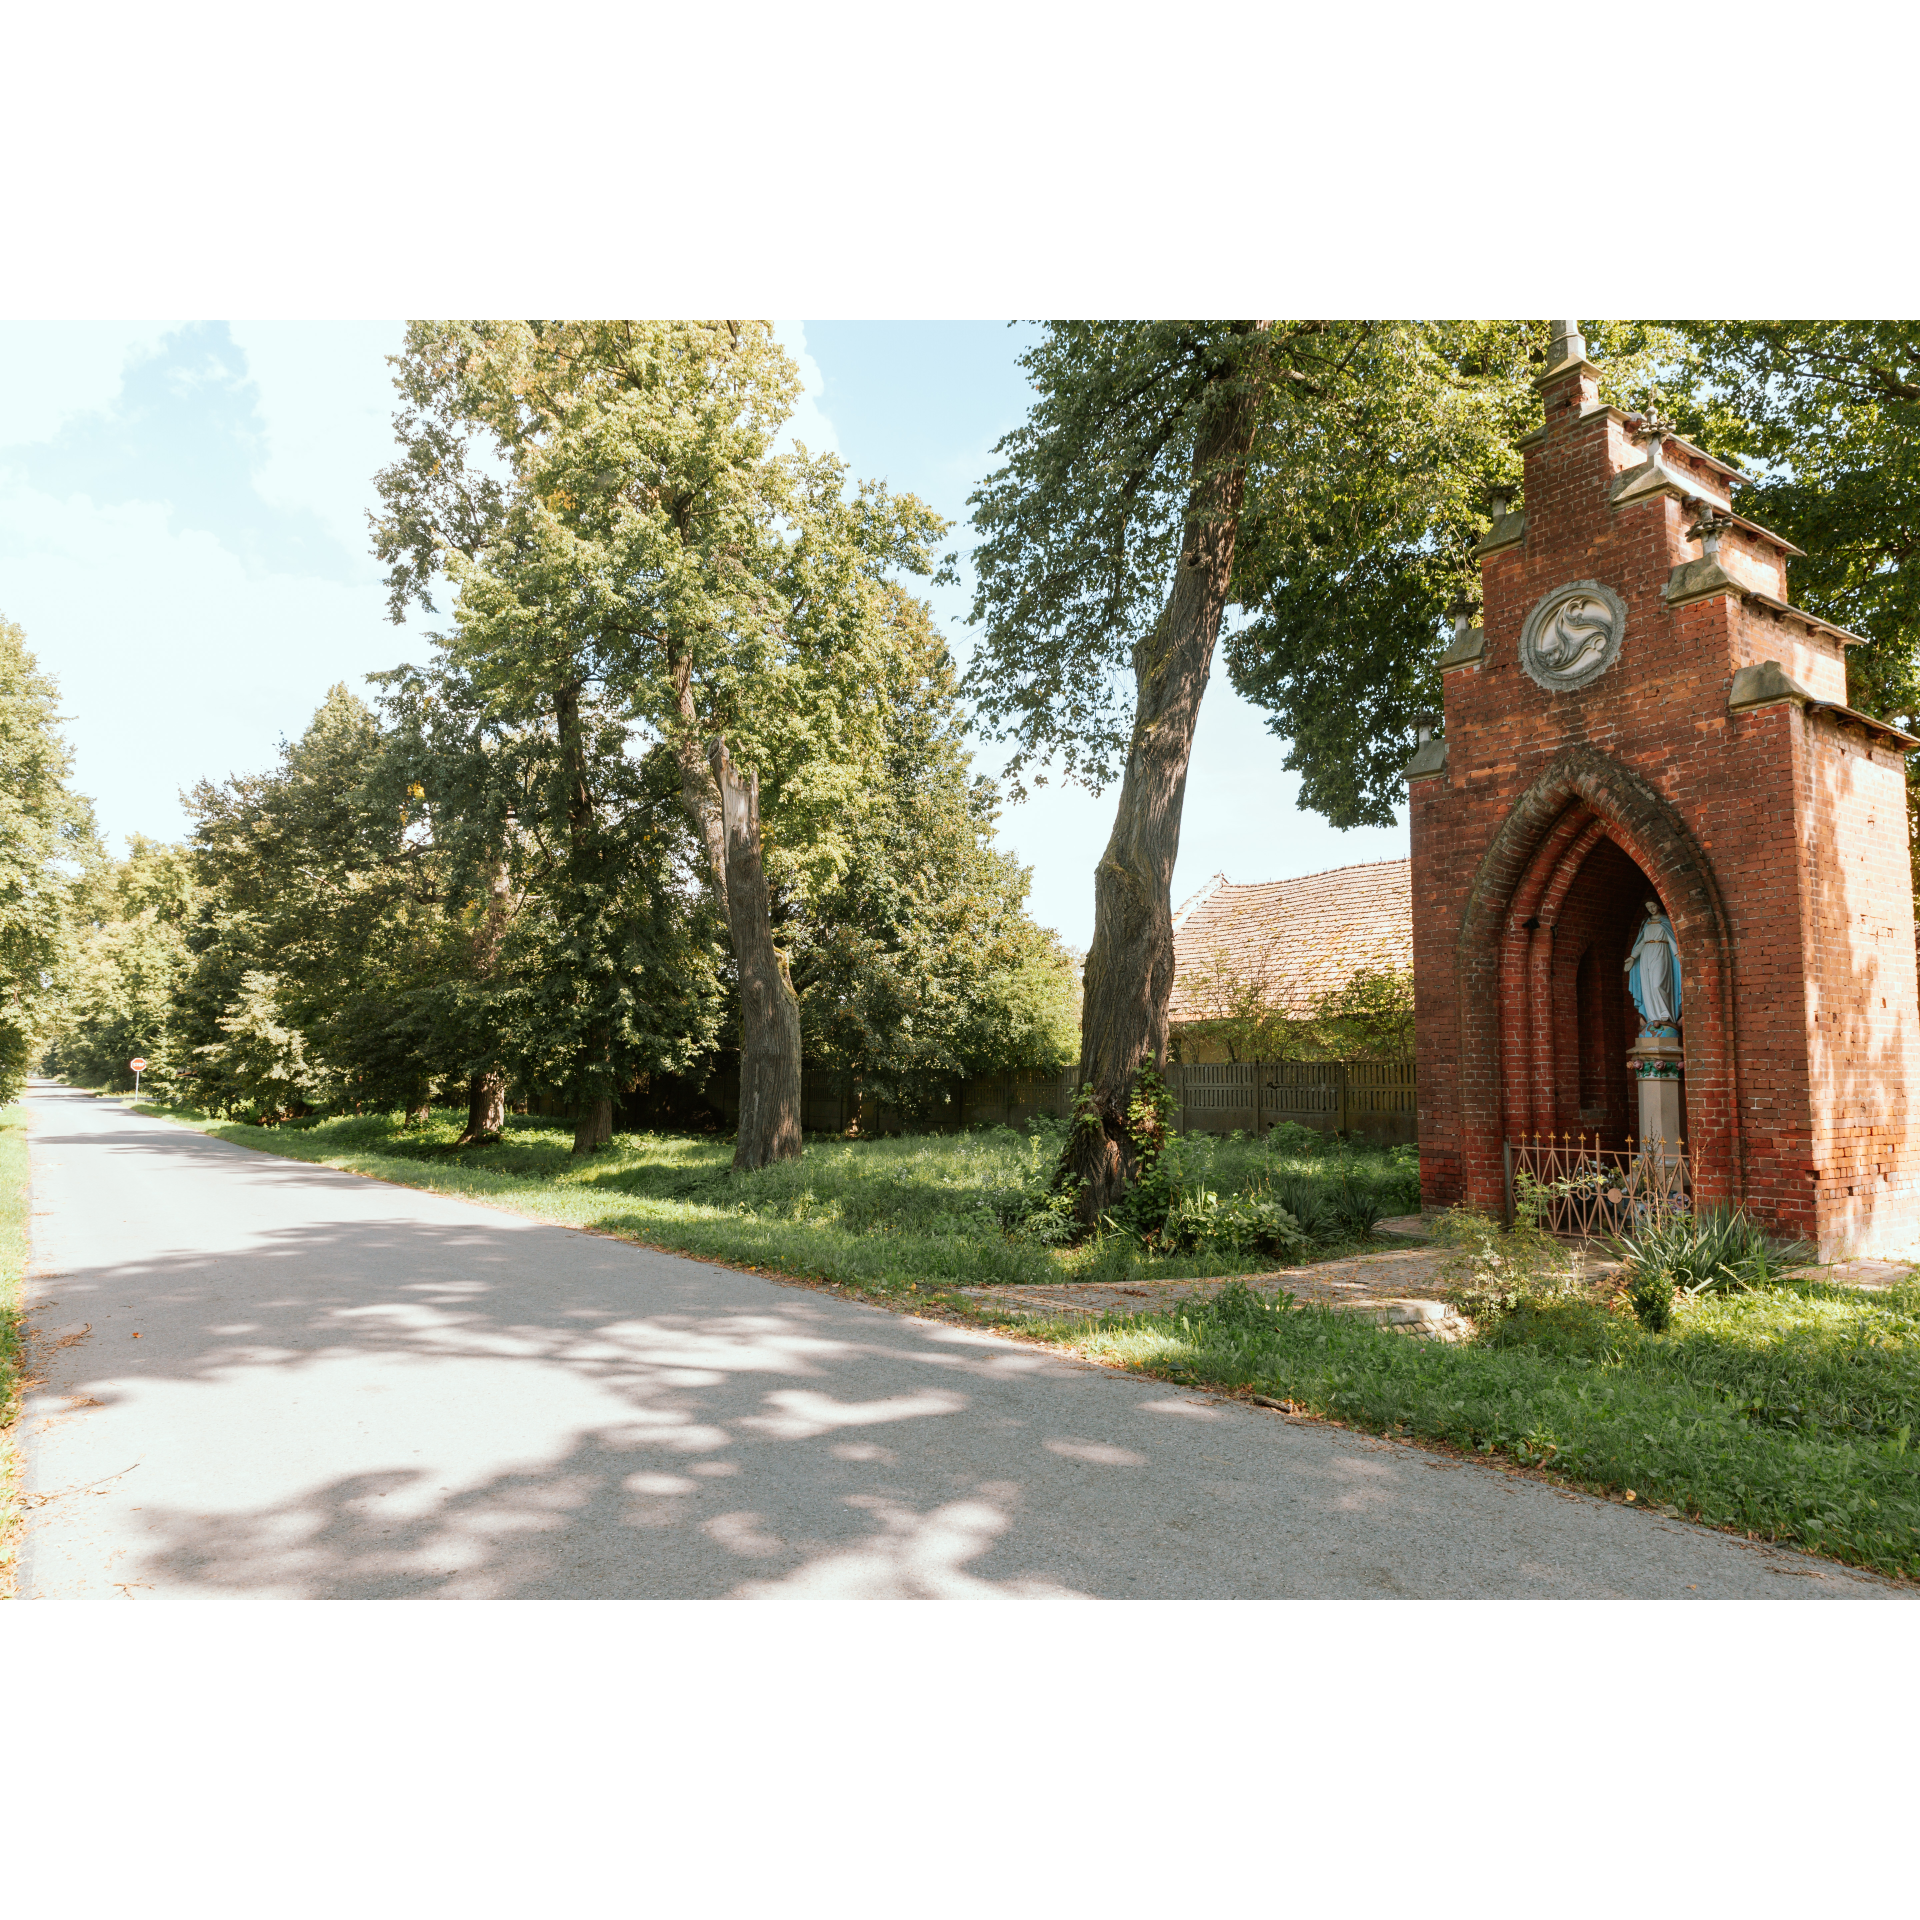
1374, 1097
1377, 1097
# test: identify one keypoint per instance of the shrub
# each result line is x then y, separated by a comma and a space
1291, 1138
1503, 1271
1651, 1296
1051, 1220
1198, 1218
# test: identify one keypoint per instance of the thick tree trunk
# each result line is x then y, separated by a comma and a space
486, 1107
1129, 970
769, 1010
594, 1128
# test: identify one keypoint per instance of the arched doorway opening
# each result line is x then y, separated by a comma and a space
1591, 1016
1542, 997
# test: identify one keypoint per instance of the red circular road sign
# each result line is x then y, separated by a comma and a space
138, 1066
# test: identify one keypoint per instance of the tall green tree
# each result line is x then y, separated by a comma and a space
622, 536
125, 960
470, 784
45, 828
1327, 477
586, 954
392, 912
1356, 545
920, 963
320, 925
1825, 414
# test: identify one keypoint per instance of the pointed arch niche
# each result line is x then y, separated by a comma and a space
1542, 983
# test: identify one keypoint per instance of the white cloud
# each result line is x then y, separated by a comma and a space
327, 400
175, 660
181, 538
809, 427
59, 368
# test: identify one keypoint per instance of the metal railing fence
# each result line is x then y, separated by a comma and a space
1575, 1187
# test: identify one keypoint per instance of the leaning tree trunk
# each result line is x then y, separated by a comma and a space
769, 1009
1128, 978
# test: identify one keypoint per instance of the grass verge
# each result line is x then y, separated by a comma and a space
914, 1215
1787, 1413
13, 1268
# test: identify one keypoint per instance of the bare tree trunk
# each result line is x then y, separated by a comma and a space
1129, 967
769, 1009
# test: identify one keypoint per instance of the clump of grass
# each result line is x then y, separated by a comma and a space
1718, 1251
1115, 1261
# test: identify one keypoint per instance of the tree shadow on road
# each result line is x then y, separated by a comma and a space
376, 1408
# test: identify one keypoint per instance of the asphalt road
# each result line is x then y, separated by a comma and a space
266, 1380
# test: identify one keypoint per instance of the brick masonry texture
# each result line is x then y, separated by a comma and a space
1774, 837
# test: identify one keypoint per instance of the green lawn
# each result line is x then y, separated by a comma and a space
13, 1266
889, 1216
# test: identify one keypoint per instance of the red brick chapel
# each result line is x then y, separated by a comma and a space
1647, 757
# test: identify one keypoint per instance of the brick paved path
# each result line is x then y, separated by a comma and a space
1397, 1288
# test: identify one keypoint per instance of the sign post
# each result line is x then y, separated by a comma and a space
138, 1065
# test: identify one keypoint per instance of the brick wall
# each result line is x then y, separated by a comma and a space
1775, 838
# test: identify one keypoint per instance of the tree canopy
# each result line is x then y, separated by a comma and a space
1825, 415
630, 551
45, 828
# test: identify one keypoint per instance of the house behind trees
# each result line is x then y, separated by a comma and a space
1314, 968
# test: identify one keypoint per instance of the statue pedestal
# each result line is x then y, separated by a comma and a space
1654, 1060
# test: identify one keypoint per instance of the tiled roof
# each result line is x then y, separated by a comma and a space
1306, 936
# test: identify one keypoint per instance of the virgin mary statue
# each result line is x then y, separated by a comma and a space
1653, 971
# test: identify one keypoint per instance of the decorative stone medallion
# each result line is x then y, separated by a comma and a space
1573, 636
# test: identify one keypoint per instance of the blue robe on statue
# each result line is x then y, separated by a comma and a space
1653, 973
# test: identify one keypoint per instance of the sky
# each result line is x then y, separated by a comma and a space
183, 536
